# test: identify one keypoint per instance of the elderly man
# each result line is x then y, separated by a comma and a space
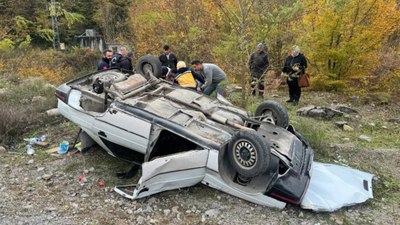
213, 76
122, 59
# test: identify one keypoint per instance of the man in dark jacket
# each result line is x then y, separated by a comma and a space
123, 59
104, 62
168, 59
258, 65
295, 66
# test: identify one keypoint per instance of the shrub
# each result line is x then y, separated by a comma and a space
23, 106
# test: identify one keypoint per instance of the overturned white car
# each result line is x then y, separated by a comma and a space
181, 138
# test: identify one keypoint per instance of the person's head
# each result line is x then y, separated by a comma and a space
167, 50
260, 47
180, 64
295, 51
107, 54
123, 51
131, 55
197, 65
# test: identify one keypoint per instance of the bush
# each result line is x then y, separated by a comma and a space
22, 108
55, 66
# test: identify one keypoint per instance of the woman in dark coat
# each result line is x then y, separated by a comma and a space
295, 66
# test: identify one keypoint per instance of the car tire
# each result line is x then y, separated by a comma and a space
273, 112
249, 153
105, 76
146, 63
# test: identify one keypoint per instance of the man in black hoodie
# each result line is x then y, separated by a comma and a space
168, 59
104, 62
258, 65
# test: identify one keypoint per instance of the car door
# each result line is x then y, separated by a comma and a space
119, 129
169, 172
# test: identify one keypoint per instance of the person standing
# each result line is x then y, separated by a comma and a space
104, 62
258, 65
213, 76
168, 59
295, 66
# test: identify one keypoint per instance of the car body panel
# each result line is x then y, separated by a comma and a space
333, 187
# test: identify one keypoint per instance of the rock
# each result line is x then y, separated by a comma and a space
167, 212
345, 109
2, 150
47, 177
40, 169
3, 90
53, 112
84, 195
346, 139
340, 124
365, 138
317, 111
384, 127
212, 213
154, 221
175, 209
91, 169
301, 215
348, 128
140, 220
30, 161
129, 211
372, 124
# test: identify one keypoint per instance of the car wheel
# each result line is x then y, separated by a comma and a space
109, 76
148, 65
273, 112
249, 153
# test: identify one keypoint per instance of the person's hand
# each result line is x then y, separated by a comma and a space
284, 74
295, 68
199, 90
290, 79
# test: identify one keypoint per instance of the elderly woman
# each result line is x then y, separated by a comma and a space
295, 66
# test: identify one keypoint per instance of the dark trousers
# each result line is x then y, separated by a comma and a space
294, 89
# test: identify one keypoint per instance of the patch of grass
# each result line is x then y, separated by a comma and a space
22, 108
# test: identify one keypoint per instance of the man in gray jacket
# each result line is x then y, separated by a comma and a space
213, 76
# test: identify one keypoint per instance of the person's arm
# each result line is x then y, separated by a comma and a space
304, 65
287, 68
207, 76
251, 60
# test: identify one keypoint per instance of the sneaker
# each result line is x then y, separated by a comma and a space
289, 100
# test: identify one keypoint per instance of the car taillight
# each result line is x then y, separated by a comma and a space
61, 95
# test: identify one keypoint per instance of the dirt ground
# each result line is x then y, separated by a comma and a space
47, 189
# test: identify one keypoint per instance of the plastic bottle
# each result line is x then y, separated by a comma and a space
30, 150
36, 139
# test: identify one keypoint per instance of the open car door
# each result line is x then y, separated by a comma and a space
167, 173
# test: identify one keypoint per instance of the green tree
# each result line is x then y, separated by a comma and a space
346, 38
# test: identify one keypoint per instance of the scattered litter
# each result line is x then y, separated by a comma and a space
101, 183
52, 150
82, 180
29, 150
64, 145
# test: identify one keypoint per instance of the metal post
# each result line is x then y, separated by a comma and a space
54, 10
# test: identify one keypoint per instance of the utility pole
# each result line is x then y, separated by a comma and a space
54, 8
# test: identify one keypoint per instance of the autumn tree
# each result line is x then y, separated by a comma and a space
346, 38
